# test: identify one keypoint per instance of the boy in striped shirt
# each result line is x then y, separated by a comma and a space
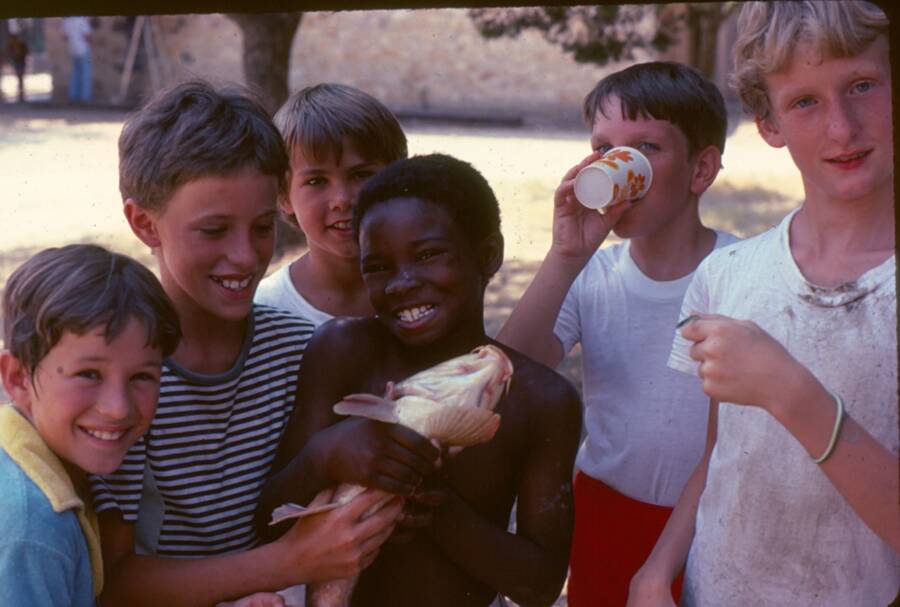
200, 171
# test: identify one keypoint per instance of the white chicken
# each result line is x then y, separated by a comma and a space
451, 403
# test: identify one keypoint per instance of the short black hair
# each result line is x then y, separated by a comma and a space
443, 180
77, 288
664, 90
193, 131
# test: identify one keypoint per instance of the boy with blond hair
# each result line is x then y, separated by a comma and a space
337, 137
85, 331
795, 501
644, 422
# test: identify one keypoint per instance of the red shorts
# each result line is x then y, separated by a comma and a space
613, 536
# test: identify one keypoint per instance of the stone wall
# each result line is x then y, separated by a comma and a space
421, 61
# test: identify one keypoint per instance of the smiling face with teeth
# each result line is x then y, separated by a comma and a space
321, 196
213, 239
88, 399
424, 279
834, 116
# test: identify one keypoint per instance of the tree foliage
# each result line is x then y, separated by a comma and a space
603, 33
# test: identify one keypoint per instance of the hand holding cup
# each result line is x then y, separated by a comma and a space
622, 174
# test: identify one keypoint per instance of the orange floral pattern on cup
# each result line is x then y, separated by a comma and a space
616, 154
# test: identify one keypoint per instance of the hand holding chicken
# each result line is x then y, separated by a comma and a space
451, 403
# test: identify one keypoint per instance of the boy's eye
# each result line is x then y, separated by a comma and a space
803, 102
862, 87
646, 146
603, 148
91, 374
427, 254
315, 181
265, 228
213, 230
145, 377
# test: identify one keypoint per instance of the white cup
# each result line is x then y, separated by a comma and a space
623, 173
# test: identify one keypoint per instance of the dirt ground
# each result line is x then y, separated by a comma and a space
58, 170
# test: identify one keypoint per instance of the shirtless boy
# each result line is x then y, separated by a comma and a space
430, 241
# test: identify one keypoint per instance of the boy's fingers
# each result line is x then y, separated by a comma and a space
415, 442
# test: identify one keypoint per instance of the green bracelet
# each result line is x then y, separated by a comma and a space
839, 418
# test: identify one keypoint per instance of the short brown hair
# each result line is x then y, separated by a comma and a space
77, 288
665, 90
769, 32
317, 119
193, 131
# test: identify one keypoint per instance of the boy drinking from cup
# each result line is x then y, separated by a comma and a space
795, 501
644, 422
85, 331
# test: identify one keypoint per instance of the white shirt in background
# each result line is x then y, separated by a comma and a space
645, 423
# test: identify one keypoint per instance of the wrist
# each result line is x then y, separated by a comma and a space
795, 394
564, 262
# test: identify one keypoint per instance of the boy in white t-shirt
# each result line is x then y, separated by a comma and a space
644, 422
795, 501
338, 137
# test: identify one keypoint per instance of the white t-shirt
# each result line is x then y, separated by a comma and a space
645, 423
77, 30
771, 529
278, 291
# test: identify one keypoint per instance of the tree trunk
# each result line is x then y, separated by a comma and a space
703, 21
267, 40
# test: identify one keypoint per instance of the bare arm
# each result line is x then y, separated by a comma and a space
333, 545
742, 364
530, 565
652, 584
577, 232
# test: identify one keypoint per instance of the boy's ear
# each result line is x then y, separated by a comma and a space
284, 196
142, 222
706, 168
491, 254
769, 131
16, 380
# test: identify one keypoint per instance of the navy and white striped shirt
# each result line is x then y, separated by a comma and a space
210, 447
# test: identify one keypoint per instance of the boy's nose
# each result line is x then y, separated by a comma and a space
401, 283
842, 123
243, 252
114, 403
342, 197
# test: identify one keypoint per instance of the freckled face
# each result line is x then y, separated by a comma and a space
423, 277
666, 147
217, 238
322, 194
91, 400
834, 116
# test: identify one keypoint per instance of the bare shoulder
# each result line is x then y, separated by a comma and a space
541, 391
348, 339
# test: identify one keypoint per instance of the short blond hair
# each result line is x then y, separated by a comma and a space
769, 32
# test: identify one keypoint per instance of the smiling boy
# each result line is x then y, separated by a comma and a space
429, 234
795, 501
85, 332
338, 137
200, 173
